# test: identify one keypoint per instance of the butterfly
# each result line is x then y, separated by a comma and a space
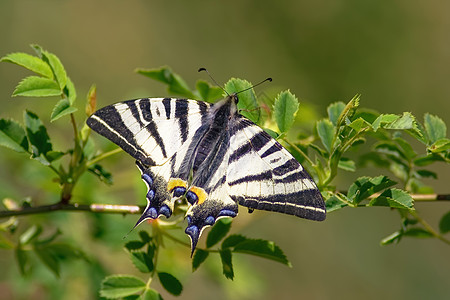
211, 156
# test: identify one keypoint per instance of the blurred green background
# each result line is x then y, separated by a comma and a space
395, 53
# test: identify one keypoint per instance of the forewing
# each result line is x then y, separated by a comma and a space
262, 174
151, 130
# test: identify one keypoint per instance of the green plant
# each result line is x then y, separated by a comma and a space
385, 138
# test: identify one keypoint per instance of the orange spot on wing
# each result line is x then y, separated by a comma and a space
201, 194
175, 182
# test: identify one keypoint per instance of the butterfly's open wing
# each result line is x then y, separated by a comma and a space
150, 130
262, 174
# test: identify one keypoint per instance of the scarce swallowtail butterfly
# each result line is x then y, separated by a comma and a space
210, 155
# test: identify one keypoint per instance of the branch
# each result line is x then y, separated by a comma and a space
95, 208
135, 209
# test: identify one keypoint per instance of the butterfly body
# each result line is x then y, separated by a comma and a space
209, 154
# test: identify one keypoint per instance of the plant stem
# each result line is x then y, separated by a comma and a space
103, 156
428, 227
299, 151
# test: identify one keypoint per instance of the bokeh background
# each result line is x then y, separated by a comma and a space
395, 53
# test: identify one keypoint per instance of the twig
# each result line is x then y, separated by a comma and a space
96, 208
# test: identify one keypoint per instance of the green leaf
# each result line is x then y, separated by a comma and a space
207, 92
417, 232
227, 265
434, 127
425, 174
406, 121
444, 223
29, 62
57, 68
170, 283
334, 203
150, 294
37, 134
394, 198
12, 135
326, 132
247, 105
233, 240
101, 173
30, 234
348, 111
407, 150
365, 186
272, 133
134, 245
34, 86
334, 111
116, 286
70, 91
347, 164
428, 159
218, 232
145, 237
262, 248
176, 84
440, 145
392, 238
62, 108
48, 259
285, 108
142, 261
22, 260
359, 124
199, 257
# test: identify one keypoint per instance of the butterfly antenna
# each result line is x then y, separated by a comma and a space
212, 78
267, 79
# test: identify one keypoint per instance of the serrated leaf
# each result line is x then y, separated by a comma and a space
348, 111
440, 145
434, 127
34, 86
62, 108
101, 173
150, 294
142, 261
12, 135
37, 134
247, 105
406, 121
394, 198
334, 110
176, 84
284, 109
170, 283
48, 258
444, 223
364, 187
57, 68
232, 240
334, 203
326, 132
207, 92
29, 62
262, 248
117, 286
359, 124
199, 257
347, 164
218, 232
227, 265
